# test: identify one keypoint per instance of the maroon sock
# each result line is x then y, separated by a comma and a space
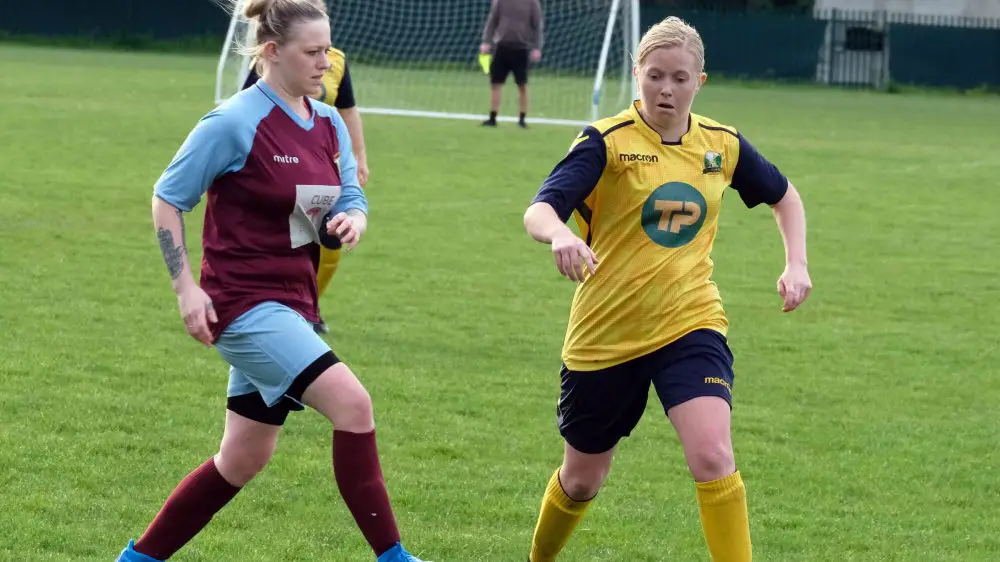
188, 509
359, 477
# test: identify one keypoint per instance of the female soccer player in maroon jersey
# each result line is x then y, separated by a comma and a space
274, 165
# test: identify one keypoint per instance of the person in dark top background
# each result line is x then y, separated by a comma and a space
513, 33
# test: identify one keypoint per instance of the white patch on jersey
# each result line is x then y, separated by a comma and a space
312, 203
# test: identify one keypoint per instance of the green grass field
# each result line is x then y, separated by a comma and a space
865, 424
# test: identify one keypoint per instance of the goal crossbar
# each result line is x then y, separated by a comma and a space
417, 63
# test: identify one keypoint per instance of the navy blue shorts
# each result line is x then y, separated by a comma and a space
598, 408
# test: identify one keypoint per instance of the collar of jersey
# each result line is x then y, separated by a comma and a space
651, 133
306, 124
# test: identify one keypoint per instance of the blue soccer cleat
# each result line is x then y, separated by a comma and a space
398, 554
130, 555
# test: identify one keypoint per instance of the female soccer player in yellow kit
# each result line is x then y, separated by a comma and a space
646, 187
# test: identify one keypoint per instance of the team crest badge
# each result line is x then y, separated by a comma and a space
713, 162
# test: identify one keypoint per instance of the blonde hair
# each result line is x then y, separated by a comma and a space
273, 20
672, 32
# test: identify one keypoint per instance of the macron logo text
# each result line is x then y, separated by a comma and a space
286, 159
650, 158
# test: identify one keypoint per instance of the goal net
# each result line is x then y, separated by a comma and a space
421, 58
233, 68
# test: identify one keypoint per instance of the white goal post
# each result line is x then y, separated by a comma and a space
420, 58
233, 68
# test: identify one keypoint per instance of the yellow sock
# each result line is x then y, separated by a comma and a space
723, 506
558, 517
328, 262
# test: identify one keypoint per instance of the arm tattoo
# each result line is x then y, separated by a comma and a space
172, 255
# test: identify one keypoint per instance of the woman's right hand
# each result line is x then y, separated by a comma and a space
197, 312
573, 256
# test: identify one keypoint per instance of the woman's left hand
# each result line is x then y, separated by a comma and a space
343, 226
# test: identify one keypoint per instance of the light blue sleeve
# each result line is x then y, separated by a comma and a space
351, 194
214, 147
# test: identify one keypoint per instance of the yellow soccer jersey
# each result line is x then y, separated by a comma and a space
336, 89
649, 210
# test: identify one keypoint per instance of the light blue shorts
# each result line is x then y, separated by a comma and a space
267, 347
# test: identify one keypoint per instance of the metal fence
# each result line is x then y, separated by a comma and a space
866, 49
876, 49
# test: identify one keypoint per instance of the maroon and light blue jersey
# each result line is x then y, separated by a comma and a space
269, 177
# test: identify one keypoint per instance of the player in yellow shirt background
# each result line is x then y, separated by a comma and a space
646, 188
337, 91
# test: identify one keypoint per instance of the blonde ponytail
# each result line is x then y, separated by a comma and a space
256, 8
